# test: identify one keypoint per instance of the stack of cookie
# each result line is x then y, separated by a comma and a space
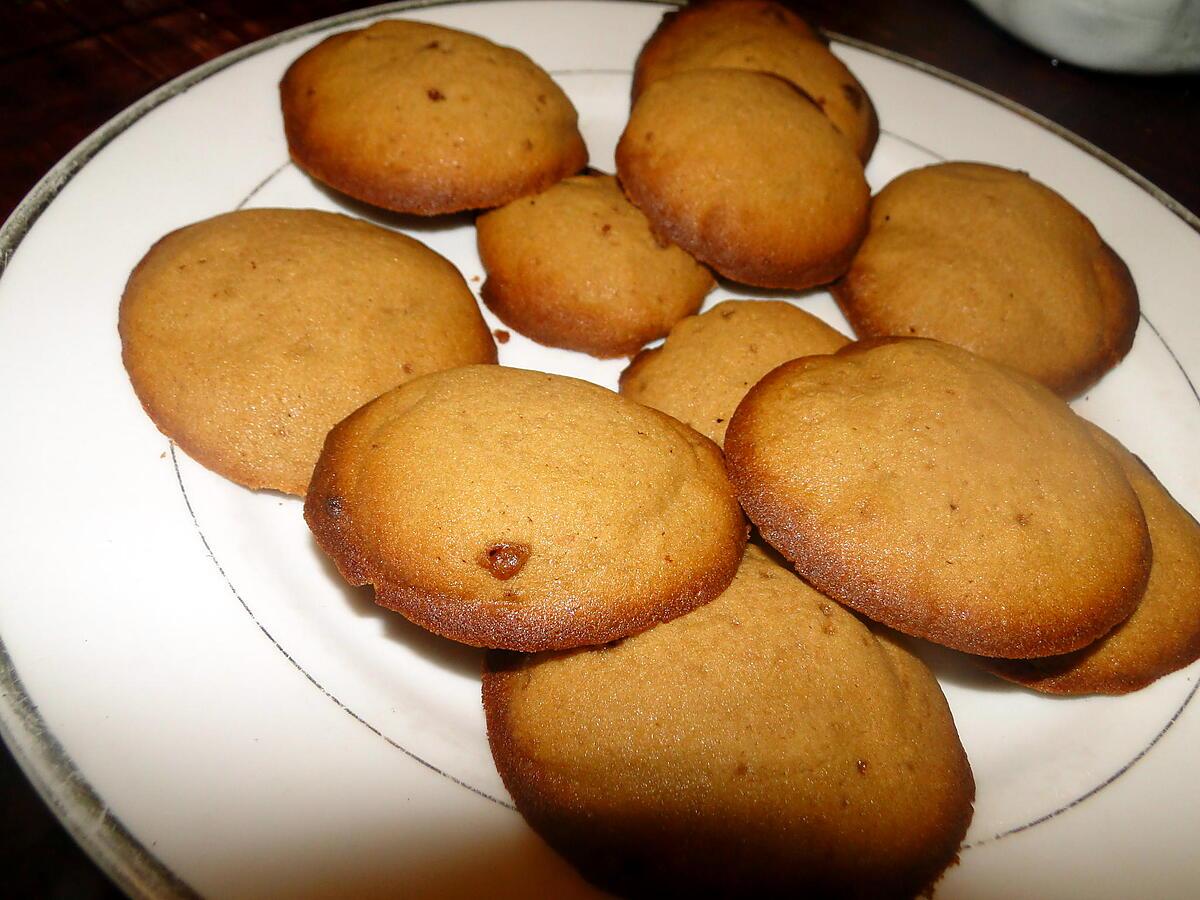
672, 709
746, 143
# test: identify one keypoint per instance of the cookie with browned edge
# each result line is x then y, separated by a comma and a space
1163, 634
577, 267
766, 744
709, 362
249, 335
996, 262
422, 119
744, 172
520, 510
763, 36
941, 494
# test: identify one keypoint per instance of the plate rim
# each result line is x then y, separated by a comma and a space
45, 762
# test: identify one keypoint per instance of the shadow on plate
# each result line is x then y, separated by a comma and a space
450, 853
750, 292
447, 654
958, 669
394, 220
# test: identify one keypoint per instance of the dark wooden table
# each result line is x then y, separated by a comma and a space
66, 66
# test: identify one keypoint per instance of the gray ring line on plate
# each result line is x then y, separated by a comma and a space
1017, 829
45, 762
916, 145
1098, 788
1195, 394
291, 659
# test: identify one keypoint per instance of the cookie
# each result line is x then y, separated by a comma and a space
943, 495
578, 267
744, 172
427, 120
993, 261
766, 744
249, 335
525, 511
709, 362
761, 36
1163, 634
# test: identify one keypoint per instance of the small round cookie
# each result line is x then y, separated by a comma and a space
1163, 634
763, 36
993, 261
525, 511
249, 335
766, 744
742, 170
708, 362
578, 267
427, 120
943, 495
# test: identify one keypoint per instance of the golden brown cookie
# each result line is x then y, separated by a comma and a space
249, 335
993, 261
709, 362
943, 495
766, 744
742, 170
525, 511
422, 119
578, 267
762, 36
1163, 634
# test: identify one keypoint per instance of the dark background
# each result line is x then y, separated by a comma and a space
66, 66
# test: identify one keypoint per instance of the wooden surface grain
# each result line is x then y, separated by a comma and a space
67, 66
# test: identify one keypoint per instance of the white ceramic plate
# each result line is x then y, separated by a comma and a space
209, 708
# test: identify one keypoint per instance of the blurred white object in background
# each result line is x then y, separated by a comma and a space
1117, 35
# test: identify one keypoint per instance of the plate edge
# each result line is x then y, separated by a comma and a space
50, 769
102, 835
74, 801
1189, 218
